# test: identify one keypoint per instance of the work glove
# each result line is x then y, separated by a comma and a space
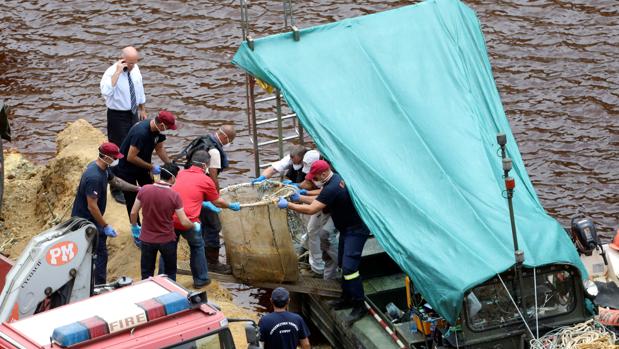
282, 203
197, 227
287, 182
258, 180
156, 169
136, 230
295, 196
235, 206
209, 205
109, 231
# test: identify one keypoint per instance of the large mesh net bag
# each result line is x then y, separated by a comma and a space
259, 237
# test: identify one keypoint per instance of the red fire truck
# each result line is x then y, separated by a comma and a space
153, 313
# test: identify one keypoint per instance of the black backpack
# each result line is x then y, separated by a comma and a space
199, 143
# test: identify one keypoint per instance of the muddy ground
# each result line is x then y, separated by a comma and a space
36, 197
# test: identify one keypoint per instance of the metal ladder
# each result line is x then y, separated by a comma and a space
253, 99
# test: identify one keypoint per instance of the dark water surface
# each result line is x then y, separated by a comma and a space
555, 62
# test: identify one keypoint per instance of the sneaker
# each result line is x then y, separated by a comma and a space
200, 284
220, 268
118, 195
357, 312
340, 303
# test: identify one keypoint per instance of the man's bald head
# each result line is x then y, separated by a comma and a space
130, 56
228, 132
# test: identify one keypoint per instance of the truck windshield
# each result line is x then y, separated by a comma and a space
489, 305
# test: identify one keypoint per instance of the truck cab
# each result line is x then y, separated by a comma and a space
153, 313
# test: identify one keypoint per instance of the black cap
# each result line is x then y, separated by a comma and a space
280, 297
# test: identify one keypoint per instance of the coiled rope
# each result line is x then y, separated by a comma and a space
587, 335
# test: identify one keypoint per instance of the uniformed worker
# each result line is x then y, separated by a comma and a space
353, 232
282, 329
91, 200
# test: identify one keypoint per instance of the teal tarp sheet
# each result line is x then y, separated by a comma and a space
404, 104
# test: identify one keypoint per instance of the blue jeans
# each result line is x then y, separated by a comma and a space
197, 258
101, 260
350, 248
149, 257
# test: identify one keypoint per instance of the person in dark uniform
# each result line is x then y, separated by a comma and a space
91, 200
136, 166
353, 232
282, 329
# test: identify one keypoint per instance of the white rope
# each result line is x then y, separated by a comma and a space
536, 312
516, 306
586, 335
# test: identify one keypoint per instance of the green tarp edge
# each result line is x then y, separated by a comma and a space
404, 105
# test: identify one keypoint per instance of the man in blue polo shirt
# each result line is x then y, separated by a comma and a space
91, 199
282, 329
144, 138
353, 232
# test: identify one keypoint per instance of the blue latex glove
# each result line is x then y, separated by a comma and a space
156, 169
258, 180
303, 192
295, 196
287, 182
109, 231
197, 227
282, 203
136, 230
235, 206
296, 185
209, 205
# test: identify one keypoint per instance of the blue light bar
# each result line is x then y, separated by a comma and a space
173, 302
70, 334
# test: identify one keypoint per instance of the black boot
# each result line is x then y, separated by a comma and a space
117, 194
340, 303
358, 311
212, 258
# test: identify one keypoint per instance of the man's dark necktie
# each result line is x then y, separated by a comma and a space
134, 105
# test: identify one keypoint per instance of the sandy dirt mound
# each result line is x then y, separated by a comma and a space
38, 197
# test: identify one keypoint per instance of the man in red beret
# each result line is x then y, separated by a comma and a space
353, 232
144, 138
91, 199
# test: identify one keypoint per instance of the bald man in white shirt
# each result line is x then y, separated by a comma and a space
122, 88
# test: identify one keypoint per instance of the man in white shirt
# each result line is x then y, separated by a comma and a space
122, 88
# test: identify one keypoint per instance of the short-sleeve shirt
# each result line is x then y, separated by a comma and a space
339, 203
158, 202
215, 159
282, 165
194, 187
282, 330
141, 137
94, 184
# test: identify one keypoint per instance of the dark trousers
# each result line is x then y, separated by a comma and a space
149, 257
350, 248
101, 260
119, 123
211, 226
130, 196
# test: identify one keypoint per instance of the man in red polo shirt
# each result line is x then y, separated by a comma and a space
159, 203
197, 190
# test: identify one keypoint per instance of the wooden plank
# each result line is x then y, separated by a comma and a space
305, 284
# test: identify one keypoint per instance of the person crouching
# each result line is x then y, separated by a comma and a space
158, 203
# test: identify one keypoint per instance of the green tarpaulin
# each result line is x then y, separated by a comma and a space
404, 104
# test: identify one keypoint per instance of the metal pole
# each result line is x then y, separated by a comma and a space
254, 135
510, 184
280, 131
